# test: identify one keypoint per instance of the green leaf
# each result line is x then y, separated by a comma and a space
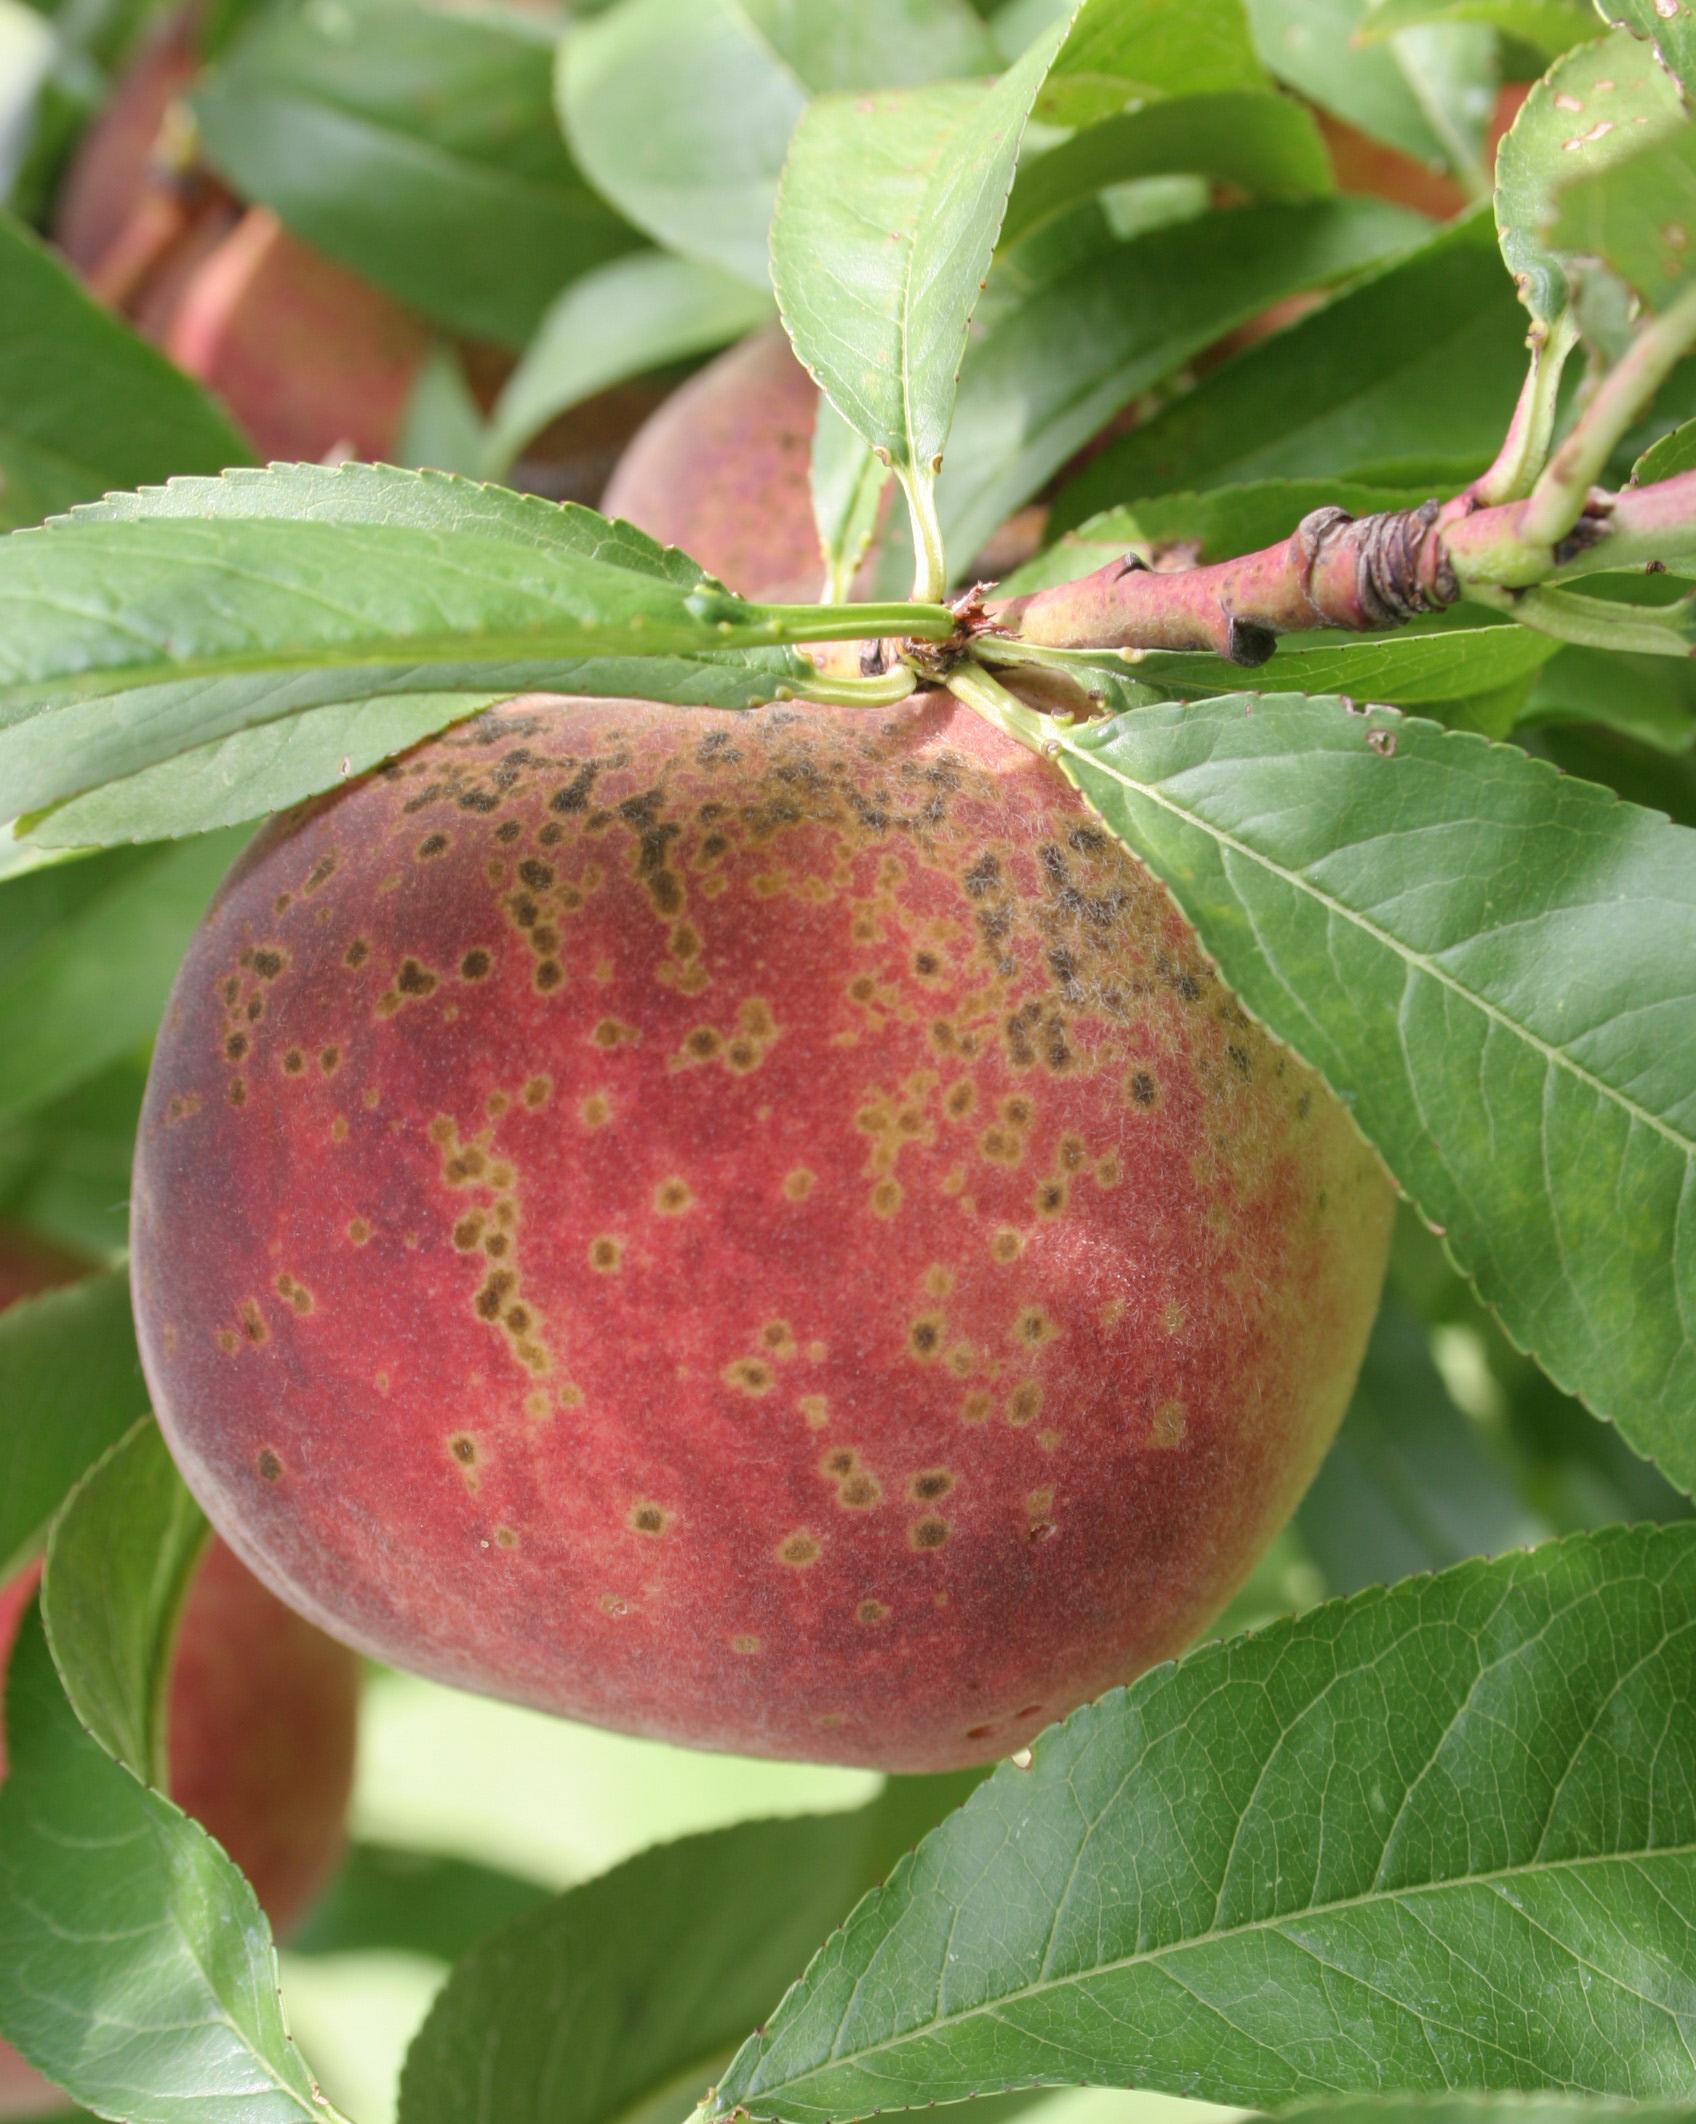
1115, 55
1494, 966
416, 143
1673, 35
648, 1976
1267, 144
888, 215
1409, 1483
1486, 2109
1650, 698
65, 1165
442, 428
136, 1968
1430, 345
1427, 92
1674, 453
252, 772
118, 1566
1432, 1836
1638, 213
1217, 526
681, 110
634, 314
1447, 664
1057, 360
847, 487
1548, 26
212, 606
1572, 122
88, 951
387, 1900
84, 404
70, 1386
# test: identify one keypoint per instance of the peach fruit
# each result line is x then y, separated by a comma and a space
721, 468
261, 1716
759, 1229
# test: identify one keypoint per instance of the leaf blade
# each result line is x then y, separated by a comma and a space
1564, 1154
1250, 1869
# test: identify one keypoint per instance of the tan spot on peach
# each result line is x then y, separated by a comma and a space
817, 1352
570, 1396
380, 1380
1024, 1404
1049, 1440
975, 1409
927, 1533
537, 1406
595, 1111
939, 1281
612, 1604
885, 1199
815, 1409
925, 1336
605, 1255
338, 1128
1049, 1200
673, 1197
1173, 1316
748, 1375
505, 1538
798, 1550
370, 1098
1032, 1327
1038, 1503
648, 1518
1168, 1425
798, 1183
227, 1340
744, 1645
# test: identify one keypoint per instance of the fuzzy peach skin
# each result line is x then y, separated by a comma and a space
720, 469
261, 1737
757, 1229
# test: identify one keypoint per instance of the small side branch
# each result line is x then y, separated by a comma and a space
1354, 573
1333, 570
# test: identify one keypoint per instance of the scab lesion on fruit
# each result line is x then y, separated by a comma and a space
294, 1293
925, 1336
749, 1375
798, 1183
1024, 1404
1032, 1327
798, 1550
269, 1464
673, 1197
649, 1519
929, 1484
606, 1255
871, 1612
1168, 1425
928, 1533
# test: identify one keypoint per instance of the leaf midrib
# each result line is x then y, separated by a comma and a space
1554, 1056
1154, 1956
